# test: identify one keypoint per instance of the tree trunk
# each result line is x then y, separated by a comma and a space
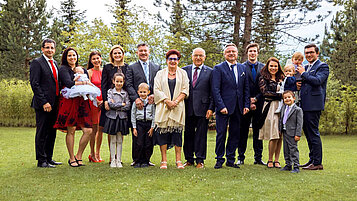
247, 28
237, 15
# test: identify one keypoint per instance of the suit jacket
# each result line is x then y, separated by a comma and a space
199, 100
42, 82
226, 93
293, 124
136, 76
313, 88
254, 85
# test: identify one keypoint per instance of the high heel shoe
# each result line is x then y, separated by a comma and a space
92, 159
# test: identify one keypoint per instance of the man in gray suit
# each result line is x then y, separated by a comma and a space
137, 73
290, 125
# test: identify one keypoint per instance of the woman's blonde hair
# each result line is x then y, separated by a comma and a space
111, 59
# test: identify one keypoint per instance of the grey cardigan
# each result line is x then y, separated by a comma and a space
117, 108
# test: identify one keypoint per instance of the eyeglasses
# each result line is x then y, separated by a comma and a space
173, 59
199, 55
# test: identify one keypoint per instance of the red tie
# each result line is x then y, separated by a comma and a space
55, 76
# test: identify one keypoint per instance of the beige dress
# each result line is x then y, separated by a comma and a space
270, 129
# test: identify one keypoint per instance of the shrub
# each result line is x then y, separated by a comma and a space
15, 101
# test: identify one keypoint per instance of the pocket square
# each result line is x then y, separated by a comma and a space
242, 74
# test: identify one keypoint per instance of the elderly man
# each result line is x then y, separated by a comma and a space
313, 94
199, 108
230, 91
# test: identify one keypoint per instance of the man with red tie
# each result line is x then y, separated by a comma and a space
45, 87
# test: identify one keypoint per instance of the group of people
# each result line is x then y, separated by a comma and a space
158, 105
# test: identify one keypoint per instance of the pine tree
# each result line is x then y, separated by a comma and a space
23, 27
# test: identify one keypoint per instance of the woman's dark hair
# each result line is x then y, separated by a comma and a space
90, 65
118, 74
265, 72
173, 51
65, 54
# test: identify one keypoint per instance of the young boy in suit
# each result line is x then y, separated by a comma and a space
290, 125
143, 127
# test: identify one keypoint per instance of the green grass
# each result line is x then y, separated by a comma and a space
21, 180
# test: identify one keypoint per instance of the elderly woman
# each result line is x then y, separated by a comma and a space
269, 83
116, 65
74, 113
94, 68
171, 87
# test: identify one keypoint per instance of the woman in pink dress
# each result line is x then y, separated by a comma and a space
95, 76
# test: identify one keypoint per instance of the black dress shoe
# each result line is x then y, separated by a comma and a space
295, 170
232, 165
144, 165
259, 162
286, 168
240, 162
53, 162
306, 164
45, 165
218, 165
137, 165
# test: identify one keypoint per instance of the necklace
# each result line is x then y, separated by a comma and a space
172, 73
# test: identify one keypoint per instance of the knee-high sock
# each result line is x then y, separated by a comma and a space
119, 143
113, 143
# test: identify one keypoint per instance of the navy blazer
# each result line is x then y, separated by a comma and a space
313, 88
199, 99
42, 82
225, 92
135, 76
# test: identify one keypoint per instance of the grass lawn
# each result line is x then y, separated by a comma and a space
21, 180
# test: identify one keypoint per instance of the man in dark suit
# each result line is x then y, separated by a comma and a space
199, 108
313, 94
253, 68
139, 72
230, 91
45, 87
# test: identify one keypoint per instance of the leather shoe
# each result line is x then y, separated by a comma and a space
295, 170
137, 165
218, 165
259, 162
187, 164
200, 165
313, 167
306, 164
144, 165
232, 165
240, 162
151, 164
286, 168
53, 162
45, 165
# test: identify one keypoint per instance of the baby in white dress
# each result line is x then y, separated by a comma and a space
88, 91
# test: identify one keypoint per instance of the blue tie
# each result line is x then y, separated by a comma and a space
234, 75
254, 72
146, 71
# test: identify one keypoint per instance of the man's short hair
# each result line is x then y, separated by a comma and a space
252, 45
312, 45
229, 45
144, 86
142, 45
48, 40
298, 55
289, 92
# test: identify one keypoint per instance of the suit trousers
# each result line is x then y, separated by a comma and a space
291, 152
311, 130
252, 116
45, 134
195, 139
143, 143
222, 121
